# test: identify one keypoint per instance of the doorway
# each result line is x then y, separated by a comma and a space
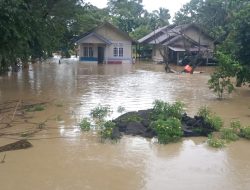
100, 54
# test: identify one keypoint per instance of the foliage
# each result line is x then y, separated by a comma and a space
245, 132
100, 112
210, 118
33, 29
167, 130
107, 130
204, 112
215, 142
85, 124
120, 109
221, 79
132, 118
229, 134
164, 110
34, 108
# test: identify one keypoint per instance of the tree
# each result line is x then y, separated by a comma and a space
126, 14
33, 28
221, 79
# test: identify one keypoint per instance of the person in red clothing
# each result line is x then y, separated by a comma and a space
187, 69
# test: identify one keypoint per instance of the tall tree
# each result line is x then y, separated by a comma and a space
126, 14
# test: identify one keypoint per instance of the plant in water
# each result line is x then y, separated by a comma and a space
210, 118
204, 112
120, 109
37, 107
167, 130
132, 118
100, 112
215, 142
107, 131
220, 80
236, 126
85, 124
229, 134
164, 110
245, 132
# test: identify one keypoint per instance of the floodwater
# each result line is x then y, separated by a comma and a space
64, 158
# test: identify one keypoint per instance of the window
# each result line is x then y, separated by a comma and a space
120, 52
88, 52
115, 52
91, 53
85, 52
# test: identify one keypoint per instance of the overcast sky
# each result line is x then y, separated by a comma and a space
172, 5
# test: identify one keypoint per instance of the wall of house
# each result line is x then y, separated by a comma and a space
156, 55
195, 35
110, 34
127, 51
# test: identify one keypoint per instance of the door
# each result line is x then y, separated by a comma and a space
100, 54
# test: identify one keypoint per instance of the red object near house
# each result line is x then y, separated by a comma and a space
114, 62
187, 69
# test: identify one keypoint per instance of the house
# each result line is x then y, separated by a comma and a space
105, 44
179, 39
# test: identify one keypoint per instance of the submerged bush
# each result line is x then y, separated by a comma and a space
85, 124
107, 130
245, 132
210, 118
37, 107
229, 134
216, 122
164, 110
100, 112
132, 118
168, 130
215, 142
120, 109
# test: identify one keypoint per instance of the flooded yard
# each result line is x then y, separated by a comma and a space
65, 158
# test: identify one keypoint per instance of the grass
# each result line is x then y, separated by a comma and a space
210, 118
215, 142
229, 134
37, 107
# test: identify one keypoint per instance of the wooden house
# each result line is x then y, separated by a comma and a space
179, 39
105, 44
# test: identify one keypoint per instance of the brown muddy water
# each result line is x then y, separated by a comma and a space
64, 158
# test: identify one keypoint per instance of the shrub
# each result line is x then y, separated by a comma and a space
164, 110
85, 124
107, 130
37, 107
229, 134
100, 112
204, 112
236, 126
120, 109
215, 142
168, 131
132, 118
214, 121
245, 132
221, 79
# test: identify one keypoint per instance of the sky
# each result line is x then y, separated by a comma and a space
150, 5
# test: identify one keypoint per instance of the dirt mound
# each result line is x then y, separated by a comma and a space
22, 144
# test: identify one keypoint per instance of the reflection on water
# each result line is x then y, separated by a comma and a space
65, 158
